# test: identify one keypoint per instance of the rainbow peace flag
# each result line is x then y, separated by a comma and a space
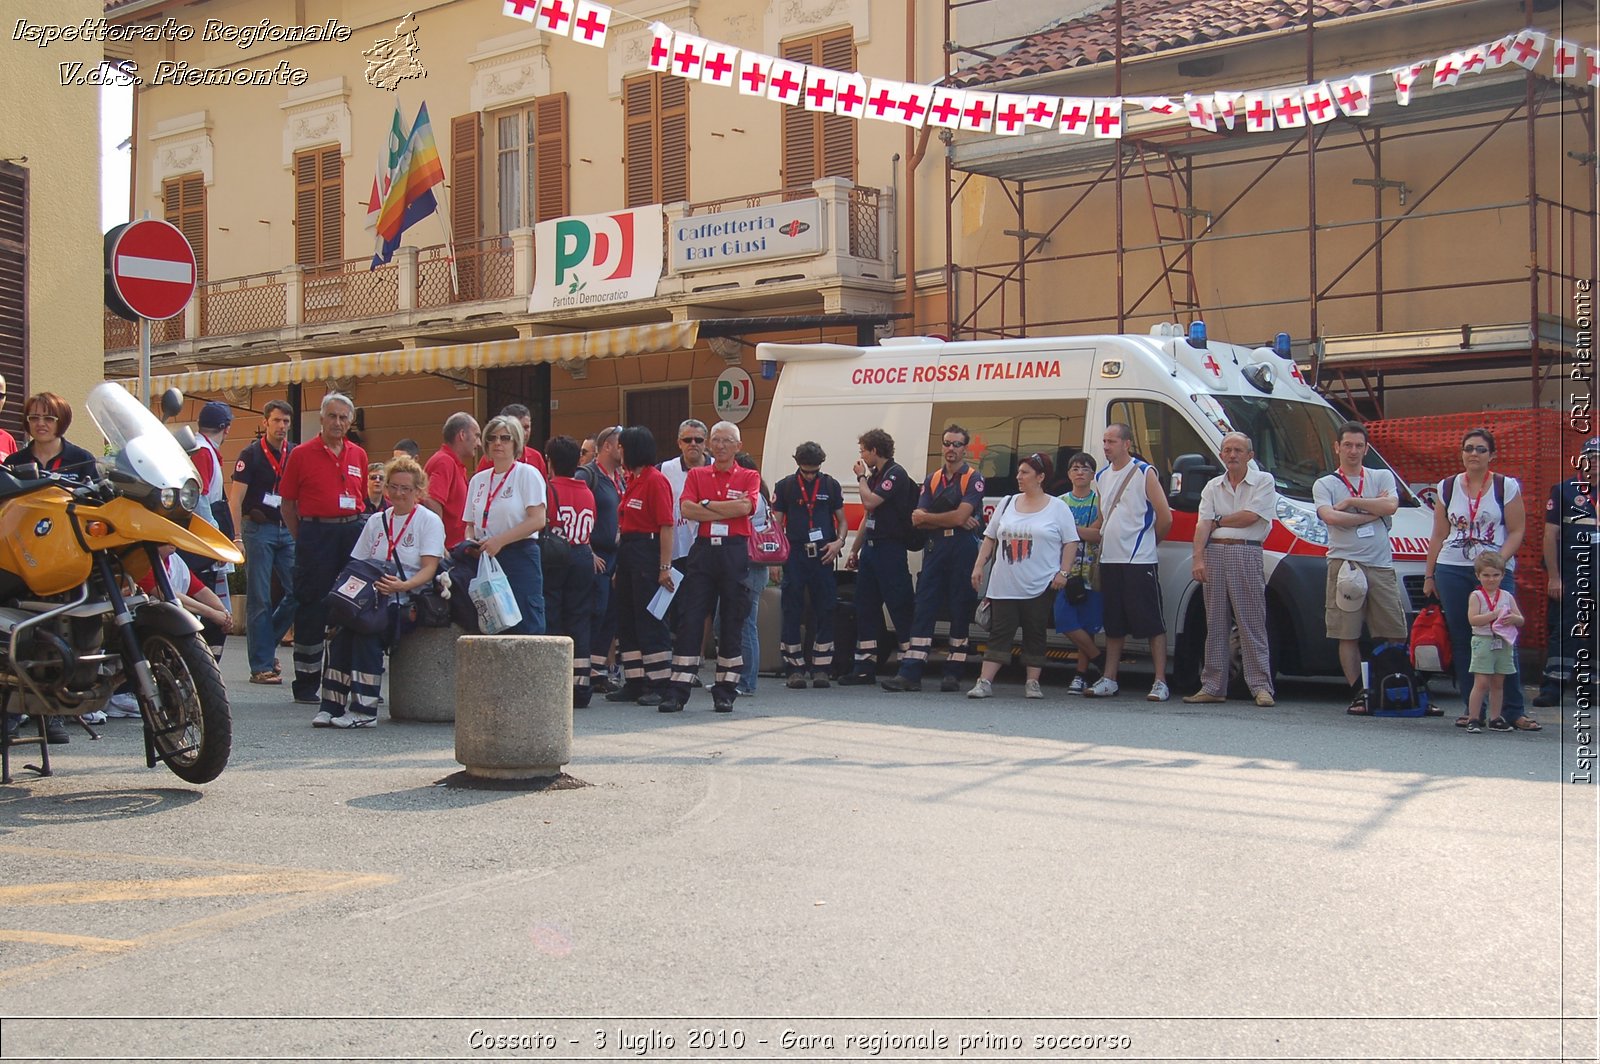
410, 197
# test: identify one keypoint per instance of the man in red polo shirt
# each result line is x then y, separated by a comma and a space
447, 475
324, 480
721, 497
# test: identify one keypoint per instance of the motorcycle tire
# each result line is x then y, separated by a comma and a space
190, 692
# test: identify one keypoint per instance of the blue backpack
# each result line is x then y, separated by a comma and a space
1393, 687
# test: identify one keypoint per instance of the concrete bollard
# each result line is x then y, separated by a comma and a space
422, 676
513, 705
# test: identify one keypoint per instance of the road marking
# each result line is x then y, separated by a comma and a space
83, 942
97, 891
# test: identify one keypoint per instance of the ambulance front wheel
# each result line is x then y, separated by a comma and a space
1191, 649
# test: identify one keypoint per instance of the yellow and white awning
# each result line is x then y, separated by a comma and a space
488, 354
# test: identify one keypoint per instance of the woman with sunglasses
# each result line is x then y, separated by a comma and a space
504, 513
49, 416
1033, 541
1477, 511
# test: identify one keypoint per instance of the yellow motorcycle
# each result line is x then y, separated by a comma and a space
73, 623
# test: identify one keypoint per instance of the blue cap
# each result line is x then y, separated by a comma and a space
215, 415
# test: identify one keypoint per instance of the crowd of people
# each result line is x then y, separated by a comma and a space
643, 563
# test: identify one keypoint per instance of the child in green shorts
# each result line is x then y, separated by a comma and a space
1495, 619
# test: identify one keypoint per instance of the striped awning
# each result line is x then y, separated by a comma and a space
489, 354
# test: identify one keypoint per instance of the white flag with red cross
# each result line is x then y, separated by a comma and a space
1354, 96
1156, 105
1405, 77
753, 70
555, 17
1447, 70
1010, 114
1201, 111
1319, 103
978, 115
785, 81
1564, 59
1042, 111
1591, 67
945, 107
1475, 59
1075, 114
659, 58
1527, 49
1287, 109
912, 104
822, 85
1498, 53
591, 24
688, 55
1227, 107
721, 65
850, 96
1257, 111
1107, 120
526, 10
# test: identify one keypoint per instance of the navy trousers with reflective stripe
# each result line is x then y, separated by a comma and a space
805, 575
321, 551
945, 585
713, 579
881, 579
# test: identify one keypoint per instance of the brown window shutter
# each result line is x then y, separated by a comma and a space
305, 209
14, 291
639, 140
799, 131
184, 206
466, 219
550, 156
672, 115
837, 51
330, 205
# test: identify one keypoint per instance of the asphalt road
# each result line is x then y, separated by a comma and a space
1022, 880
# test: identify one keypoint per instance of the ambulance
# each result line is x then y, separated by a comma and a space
1179, 390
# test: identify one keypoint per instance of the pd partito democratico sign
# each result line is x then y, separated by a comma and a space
729, 238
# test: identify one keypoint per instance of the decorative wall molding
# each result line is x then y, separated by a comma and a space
314, 115
802, 18
509, 70
628, 47
181, 145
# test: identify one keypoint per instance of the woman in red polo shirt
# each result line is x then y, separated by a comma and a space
644, 563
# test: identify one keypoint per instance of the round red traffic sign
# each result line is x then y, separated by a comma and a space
152, 268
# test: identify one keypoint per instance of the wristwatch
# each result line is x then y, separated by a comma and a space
1064, 574
664, 568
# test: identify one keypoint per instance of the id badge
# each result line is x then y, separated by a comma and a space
1365, 532
816, 535
272, 499
869, 523
719, 528
347, 502
1496, 643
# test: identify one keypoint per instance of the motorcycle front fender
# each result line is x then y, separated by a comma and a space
135, 523
167, 618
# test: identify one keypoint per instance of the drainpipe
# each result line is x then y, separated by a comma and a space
913, 156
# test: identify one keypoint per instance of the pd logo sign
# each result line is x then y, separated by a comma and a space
735, 395
597, 259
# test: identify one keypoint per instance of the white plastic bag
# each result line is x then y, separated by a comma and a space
491, 595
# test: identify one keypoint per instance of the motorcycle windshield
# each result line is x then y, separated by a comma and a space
142, 446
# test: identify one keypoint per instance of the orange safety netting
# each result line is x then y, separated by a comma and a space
1534, 446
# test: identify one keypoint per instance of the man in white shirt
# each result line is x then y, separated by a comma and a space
1236, 513
1355, 503
692, 435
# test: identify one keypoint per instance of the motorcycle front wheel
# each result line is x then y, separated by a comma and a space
193, 730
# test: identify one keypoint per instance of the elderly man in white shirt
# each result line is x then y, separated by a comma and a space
1236, 513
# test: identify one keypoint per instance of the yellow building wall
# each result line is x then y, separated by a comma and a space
57, 129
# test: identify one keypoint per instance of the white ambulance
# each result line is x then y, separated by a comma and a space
1180, 391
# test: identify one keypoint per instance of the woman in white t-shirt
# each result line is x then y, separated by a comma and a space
1477, 510
504, 513
1033, 541
410, 536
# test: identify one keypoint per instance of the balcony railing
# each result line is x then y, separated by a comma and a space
349, 290
484, 269
864, 223
243, 305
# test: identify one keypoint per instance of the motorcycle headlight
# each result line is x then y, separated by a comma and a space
1302, 522
189, 494
168, 498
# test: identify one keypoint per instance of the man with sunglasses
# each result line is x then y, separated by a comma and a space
605, 477
949, 512
692, 435
447, 475
808, 505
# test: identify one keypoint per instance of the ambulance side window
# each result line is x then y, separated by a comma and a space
1160, 433
1005, 432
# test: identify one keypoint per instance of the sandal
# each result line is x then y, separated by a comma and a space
1527, 724
1463, 720
267, 677
1358, 706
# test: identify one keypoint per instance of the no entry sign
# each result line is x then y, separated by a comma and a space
150, 268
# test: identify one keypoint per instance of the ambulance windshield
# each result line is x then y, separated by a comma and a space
1295, 441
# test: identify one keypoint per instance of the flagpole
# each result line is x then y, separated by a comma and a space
449, 244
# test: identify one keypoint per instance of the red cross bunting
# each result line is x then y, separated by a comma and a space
786, 84
717, 66
590, 24
1565, 59
1259, 114
977, 114
755, 77
687, 59
944, 109
1445, 71
1041, 113
1591, 68
1317, 105
849, 99
1107, 120
1199, 112
1497, 52
1071, 120
554, 14
658, 53
1011, 115
1351, 97
1288, 111
1526, 50
1472, 61
1211, 364
820, 93
881, 102
519, 6
911, 108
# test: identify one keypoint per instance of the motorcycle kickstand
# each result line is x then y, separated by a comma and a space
8, 741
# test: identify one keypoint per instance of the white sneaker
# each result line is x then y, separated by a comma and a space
1158, 692
1032, 690
351, 719
1104, 687
125, 704
1076, 687
981, 689
324, 719
97, 717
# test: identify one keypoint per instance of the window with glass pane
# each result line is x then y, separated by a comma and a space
510, 169
1003, 433
1160, 433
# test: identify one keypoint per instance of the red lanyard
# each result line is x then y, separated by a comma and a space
494, 489
1360, 485
811, 503
388, 532
1490, 602
1472, 505
338, 463
276, 466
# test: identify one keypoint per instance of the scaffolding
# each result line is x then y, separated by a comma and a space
1153, 170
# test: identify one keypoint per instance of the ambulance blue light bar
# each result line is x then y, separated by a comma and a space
1281, 345
769, 370
1197, 334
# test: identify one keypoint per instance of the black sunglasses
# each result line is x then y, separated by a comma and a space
691, 439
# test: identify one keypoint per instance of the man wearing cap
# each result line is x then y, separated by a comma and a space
1236, 513
254, 502
604, 477
447, 475
323, 483
949, 512
215, 420
1357, 504
1569, 557
809, 506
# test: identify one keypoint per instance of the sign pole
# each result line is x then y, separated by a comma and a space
144, 360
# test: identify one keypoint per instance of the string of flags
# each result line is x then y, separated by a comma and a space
855, 95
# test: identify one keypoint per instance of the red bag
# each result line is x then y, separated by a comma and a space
1430, 641
770, 547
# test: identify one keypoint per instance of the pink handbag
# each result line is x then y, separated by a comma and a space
770, 547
